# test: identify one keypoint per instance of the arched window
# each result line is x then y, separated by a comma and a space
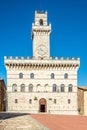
38, 88
52, 76
21, 75
70, 87
14, 88
62, 88
30, 87
46, 89
65, 76
54, 87
41, 22
22, 87
32, 75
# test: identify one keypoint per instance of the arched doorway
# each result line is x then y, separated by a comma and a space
42, 105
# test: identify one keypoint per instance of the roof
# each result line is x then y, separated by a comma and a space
83, 87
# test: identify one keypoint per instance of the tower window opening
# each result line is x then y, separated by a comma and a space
41, 22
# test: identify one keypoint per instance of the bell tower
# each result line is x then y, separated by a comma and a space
41, 36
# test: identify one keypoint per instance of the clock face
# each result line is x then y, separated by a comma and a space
42, 50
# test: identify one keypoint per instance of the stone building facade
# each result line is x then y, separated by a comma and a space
82, 100
42, 84
2, 95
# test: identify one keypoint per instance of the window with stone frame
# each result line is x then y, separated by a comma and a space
16, 100
22, 87
14, 88
32, 76
65, 76
21, 75
54, 87
30, 87
70, 88
30, 101
52, 76
62, 88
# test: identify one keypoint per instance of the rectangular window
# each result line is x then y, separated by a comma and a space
30, 101
55, 101
16, 100
69, 101
50, 99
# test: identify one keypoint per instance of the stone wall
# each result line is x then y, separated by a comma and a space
82, 100
60, 107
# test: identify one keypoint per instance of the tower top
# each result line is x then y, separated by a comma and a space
41, 35
41, 12
40, 18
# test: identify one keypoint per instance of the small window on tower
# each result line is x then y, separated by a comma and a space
41, 22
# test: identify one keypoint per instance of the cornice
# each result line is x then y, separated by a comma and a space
38, 64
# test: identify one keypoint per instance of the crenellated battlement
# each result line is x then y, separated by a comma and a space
41, 12
51, 58
38, 64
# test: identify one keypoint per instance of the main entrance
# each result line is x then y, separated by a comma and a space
42, 105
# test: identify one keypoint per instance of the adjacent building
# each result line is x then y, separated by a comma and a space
82, 100
2, 95
42, 84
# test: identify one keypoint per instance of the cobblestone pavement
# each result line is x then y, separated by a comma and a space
24, 122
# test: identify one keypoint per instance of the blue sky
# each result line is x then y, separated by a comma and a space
69, 30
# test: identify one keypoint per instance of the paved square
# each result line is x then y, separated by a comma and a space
61, 122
